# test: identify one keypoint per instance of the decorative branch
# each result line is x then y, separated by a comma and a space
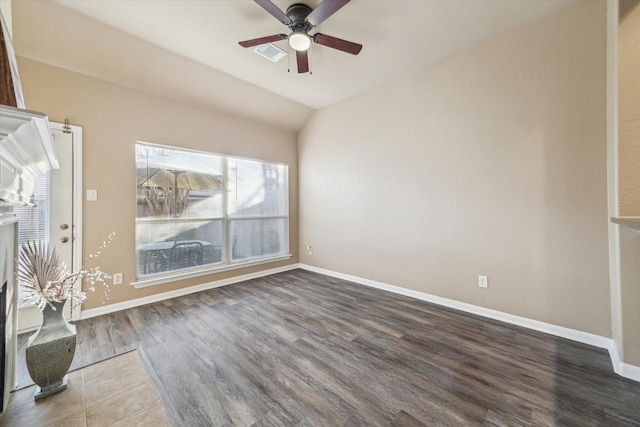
46, 279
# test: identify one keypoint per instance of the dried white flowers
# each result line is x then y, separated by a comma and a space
46, 278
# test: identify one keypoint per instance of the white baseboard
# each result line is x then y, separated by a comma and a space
625, 370
631, 372
111, 308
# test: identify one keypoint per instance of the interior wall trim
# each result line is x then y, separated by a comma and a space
112, 308
625, 370
615, 280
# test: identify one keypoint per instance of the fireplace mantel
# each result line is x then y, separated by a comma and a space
26, 151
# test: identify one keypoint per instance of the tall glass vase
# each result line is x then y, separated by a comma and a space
50, 351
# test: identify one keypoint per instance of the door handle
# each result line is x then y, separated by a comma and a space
64, 239
64, 226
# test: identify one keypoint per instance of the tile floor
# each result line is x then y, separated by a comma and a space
116, 392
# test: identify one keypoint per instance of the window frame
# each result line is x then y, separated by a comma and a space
226, 263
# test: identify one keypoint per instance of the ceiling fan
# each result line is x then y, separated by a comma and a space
301, 19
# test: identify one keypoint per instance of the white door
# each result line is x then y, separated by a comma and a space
55, 219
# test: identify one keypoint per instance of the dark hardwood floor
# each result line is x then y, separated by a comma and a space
300, 348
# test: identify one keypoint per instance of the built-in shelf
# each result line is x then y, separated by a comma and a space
627, 221
26, 151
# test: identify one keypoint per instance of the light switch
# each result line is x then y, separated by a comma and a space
92, 195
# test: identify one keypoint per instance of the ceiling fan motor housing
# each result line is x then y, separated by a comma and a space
298, 13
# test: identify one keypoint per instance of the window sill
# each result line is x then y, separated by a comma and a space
187, 274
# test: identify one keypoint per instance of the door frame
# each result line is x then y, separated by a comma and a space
75, 220
77, 199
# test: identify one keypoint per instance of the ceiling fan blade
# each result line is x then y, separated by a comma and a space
336, 43
274, 11
325, 10
263, 40
303, 61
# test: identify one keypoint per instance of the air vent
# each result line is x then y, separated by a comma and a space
271, 52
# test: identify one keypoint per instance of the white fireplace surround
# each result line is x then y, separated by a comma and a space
26, 151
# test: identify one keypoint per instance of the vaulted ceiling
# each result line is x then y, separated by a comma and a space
188, 50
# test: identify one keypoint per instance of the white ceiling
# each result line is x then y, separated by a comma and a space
200, 40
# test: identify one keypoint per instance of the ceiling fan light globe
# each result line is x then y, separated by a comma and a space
299, 41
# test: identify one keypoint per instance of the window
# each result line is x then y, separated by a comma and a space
33, 221
199, 211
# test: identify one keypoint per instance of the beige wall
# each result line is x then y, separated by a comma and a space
492, 162
629, 175
630, 294
629, 109
113, 118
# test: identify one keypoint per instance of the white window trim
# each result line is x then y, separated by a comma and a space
226, 264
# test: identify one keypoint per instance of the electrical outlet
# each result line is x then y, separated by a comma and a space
483, 281
92, 195
309, 250
117, 278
